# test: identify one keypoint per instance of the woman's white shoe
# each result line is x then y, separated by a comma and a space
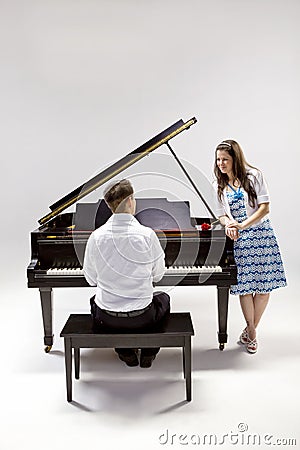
244, 337
252, 346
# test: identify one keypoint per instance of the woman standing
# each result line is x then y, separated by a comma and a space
243, 206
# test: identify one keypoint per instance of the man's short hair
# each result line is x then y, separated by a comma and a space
116, 193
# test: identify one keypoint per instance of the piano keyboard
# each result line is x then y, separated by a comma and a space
65, 272
174, 270
180, 270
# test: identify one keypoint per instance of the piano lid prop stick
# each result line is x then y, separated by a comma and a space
191, 181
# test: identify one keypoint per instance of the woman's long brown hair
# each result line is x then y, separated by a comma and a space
239, 169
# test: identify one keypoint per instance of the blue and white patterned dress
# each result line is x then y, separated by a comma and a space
256, 253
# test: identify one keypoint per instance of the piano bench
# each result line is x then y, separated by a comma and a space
175, 331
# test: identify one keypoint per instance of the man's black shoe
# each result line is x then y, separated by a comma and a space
146, 361
131, 360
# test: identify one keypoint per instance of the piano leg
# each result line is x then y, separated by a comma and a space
223, 294
46, 303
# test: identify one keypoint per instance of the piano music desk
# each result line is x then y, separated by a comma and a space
175, 331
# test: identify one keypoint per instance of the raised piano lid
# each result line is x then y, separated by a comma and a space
116, 168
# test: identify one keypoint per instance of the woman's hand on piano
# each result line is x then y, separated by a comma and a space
237, 225
232, 229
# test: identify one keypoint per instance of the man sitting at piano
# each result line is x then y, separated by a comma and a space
122, 259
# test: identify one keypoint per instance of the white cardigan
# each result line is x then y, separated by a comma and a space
261, 190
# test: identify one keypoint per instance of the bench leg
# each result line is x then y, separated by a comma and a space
187, 352
77, 362
68, 364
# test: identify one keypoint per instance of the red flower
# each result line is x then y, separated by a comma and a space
205, 226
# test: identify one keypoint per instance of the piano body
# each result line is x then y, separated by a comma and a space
192, 256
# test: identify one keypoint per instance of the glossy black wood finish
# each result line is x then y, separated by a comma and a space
61, 239
57, 245
175, 331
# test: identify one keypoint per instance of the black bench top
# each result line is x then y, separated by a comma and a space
174, 324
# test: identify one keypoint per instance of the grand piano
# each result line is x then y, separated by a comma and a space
197, 251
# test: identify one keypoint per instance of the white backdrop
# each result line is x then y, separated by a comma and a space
85, 82
82, 83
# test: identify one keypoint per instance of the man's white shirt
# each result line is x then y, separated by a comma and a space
123, 258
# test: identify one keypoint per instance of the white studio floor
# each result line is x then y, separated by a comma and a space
241, 400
